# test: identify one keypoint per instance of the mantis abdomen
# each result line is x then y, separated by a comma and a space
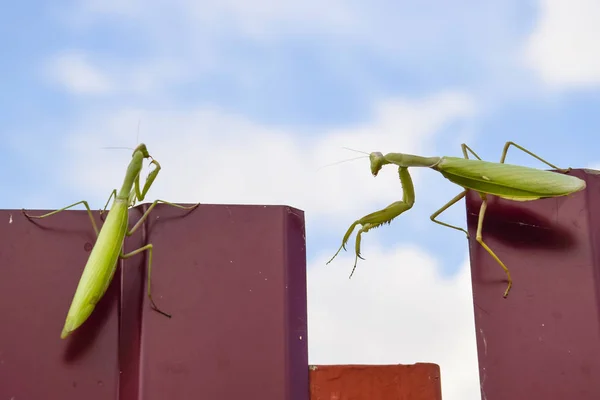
512, 182
99, 269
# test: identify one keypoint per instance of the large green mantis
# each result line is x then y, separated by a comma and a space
102, 262
507, 181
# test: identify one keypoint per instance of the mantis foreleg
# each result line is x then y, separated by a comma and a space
149, 180
384, 216
89, 211
508, 144
479, 239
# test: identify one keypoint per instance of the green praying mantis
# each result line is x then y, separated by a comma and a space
102, 262
507, 181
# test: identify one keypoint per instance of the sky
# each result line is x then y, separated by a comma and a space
246, 102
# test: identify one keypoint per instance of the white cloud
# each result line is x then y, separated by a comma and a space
396, 309
257, 19
391, 29
210, 156
251, 45
85, 73
563, 48
260, 18
77, 74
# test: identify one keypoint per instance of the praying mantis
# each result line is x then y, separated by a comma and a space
102, 262
511, 182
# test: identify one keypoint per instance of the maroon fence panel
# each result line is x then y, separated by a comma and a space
233, 278
40, 266
543, 340
236, 286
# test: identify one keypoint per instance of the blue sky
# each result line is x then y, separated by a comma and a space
247, 86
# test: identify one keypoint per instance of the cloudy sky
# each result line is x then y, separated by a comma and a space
248, 100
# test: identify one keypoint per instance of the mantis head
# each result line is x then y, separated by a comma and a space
377, 161
142, 149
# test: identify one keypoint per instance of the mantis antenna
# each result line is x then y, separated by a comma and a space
118, 148
356, 151
137, 139
340, 162
343, 161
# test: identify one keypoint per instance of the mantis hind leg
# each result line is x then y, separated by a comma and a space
508, 144
479, 239
147, 247
85, 203
447, 206
381, 217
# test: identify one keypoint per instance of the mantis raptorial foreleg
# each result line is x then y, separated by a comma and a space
381, 217
508, 144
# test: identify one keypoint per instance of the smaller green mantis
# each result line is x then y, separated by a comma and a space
102, 262
507, 181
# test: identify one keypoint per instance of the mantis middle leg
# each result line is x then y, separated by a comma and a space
446, 206
381, 217
456, 199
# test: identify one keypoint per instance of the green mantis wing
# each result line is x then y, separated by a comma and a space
99, 269
508, 181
